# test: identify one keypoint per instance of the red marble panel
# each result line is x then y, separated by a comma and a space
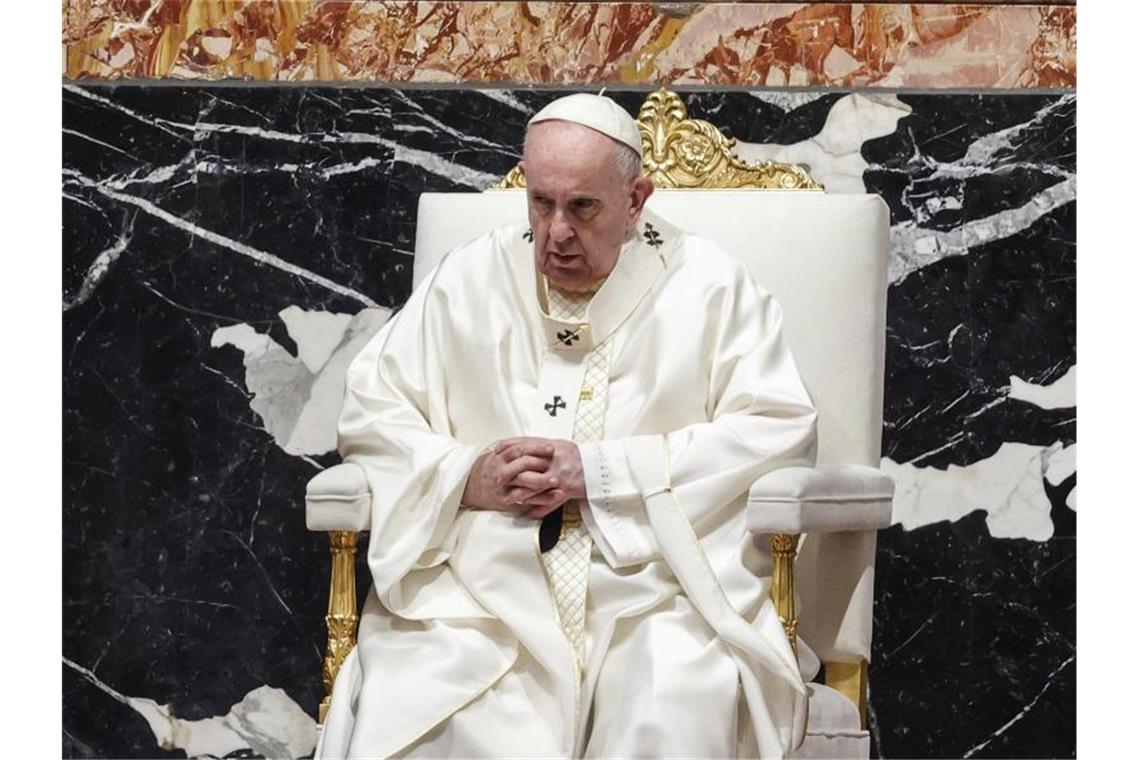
981, 45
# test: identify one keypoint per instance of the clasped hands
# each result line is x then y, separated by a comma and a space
530, 476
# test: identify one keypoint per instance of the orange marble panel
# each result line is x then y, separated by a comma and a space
942, 45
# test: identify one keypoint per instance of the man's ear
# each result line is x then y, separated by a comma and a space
642, 188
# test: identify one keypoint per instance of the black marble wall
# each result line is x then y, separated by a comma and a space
197, 404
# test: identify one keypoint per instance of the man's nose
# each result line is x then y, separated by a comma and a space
560, 229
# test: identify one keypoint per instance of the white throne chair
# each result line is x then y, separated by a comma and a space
824, 258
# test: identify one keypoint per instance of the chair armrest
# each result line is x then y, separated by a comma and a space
828, 499
339, 499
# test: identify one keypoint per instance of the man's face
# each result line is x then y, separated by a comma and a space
580, 206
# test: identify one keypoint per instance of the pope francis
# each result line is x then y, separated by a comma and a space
559, 430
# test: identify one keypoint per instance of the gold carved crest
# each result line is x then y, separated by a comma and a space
685, 153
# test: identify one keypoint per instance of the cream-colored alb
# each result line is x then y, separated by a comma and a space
460, 651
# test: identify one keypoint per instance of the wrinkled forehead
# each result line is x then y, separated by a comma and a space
564, 153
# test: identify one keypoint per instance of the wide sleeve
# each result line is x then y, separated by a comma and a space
759, 417
395, 425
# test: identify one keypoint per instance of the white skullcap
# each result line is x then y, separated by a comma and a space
596, 112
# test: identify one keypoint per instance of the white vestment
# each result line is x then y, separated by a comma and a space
459, 650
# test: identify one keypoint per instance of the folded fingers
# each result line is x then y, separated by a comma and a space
512, 448
527, 465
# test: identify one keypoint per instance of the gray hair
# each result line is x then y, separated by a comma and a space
626, 160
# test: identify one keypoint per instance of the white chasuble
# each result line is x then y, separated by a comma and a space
462, 648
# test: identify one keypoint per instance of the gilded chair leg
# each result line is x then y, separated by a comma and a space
784, 547
850, 680
341, 618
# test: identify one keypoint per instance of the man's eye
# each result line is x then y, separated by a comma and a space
584, 206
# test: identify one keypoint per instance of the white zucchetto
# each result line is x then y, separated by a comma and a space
596, 112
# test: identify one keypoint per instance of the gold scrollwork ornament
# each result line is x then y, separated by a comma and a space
692, 153
684, 153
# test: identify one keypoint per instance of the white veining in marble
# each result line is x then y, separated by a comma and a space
109, 146
1060, 394
99, 268
787, 100
1009, 486
436, 164
1062, 466
914, 246
506, 97
143, 118
987, 150
833, 156
160, 175
266, 721
438, 127
316, 333
298, 397
263, 257
1023, 711
430, 162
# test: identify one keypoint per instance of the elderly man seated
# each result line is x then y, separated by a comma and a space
559, 430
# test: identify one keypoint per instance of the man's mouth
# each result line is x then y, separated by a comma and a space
562, 259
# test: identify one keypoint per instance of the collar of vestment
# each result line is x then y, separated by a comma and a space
565, 304
643, 258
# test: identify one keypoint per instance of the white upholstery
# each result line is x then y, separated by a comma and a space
824, 258
339, 499
833, 729
828, 499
